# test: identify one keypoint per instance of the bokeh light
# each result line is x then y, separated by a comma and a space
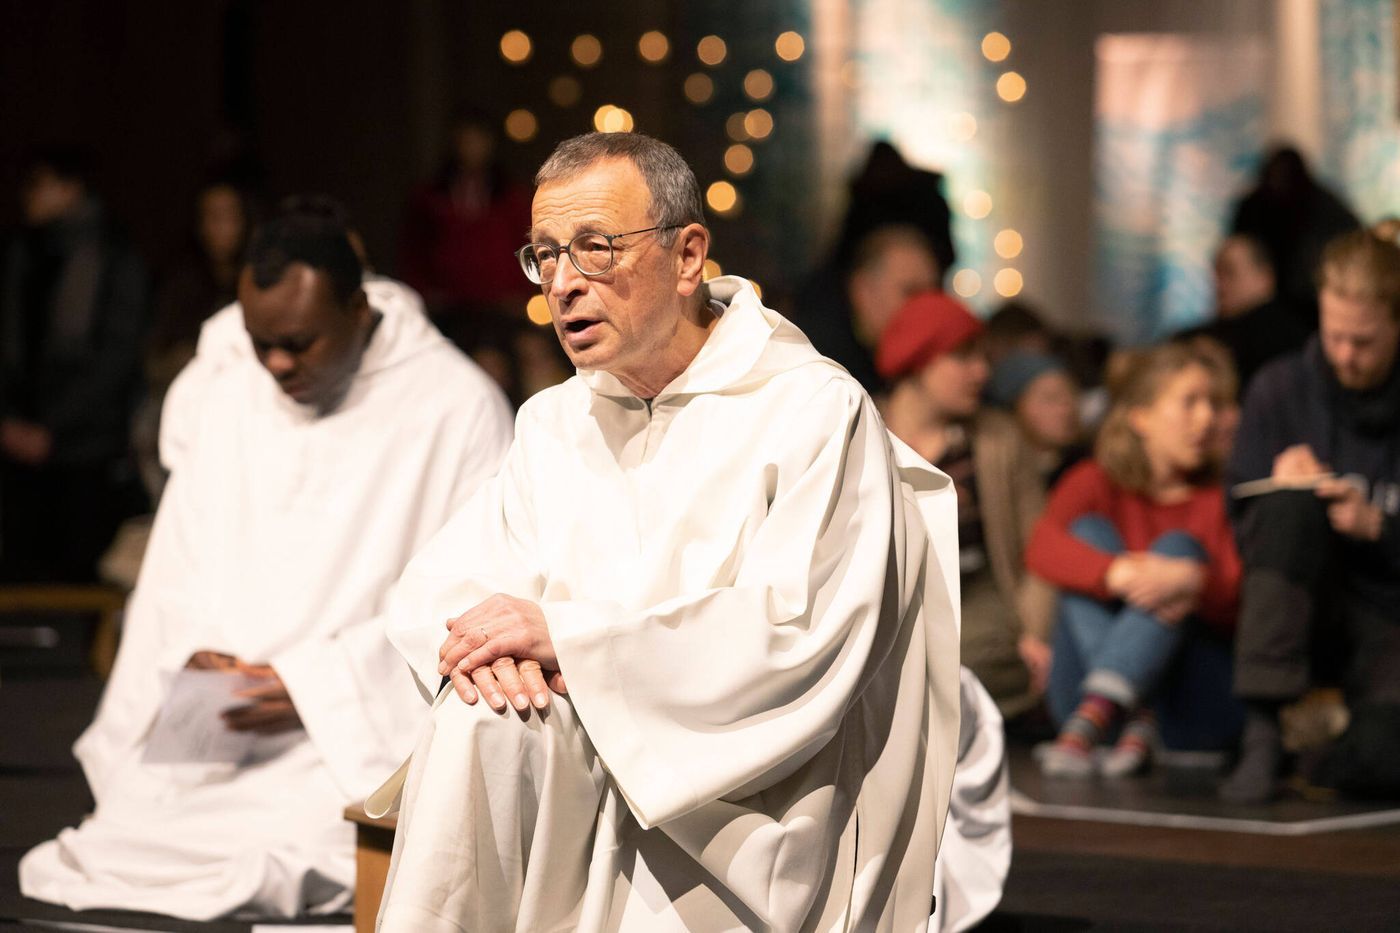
1011, 87
734, 127
586, 51
565, 91
711, 50
977, 204
790, 46
962, 126
758, 123
850, 74
1008, 283
758, 84
1008, 244
654, 47
711, 270
537, 310
699, 88
757, 289
967, 283
722, 197
996, 47
611, 119
521, 125
516, 47
738, 159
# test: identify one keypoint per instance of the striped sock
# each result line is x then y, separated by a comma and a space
1090, 721
1138, 733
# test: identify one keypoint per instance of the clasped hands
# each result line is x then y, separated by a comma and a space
1348, 511
501, 650
1168, 587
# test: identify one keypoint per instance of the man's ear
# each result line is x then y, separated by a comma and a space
360, 308
694, 242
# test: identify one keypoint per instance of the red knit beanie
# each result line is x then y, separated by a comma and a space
929, 325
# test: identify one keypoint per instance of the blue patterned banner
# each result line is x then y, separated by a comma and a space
1178, 124
1361, 133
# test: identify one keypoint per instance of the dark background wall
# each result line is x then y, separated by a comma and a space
353, 98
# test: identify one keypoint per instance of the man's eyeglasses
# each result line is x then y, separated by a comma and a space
591, 254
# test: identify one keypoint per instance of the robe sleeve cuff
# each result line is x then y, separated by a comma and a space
329, 704
596, 673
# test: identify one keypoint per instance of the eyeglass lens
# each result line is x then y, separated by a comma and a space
591, 254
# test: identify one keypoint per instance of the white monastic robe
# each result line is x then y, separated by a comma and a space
975, 855
752, 590
277, 538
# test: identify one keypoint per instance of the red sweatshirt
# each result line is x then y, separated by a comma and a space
1060, 558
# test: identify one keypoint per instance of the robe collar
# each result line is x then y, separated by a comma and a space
748, 344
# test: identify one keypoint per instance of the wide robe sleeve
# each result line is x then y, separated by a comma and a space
348, 687
488, 547
723, 692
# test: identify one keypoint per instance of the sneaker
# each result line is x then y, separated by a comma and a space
1058, 760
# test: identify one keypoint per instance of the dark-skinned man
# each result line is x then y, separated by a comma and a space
322, 434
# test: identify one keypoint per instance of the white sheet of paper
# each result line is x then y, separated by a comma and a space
188, 728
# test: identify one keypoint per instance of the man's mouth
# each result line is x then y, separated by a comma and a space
299, 391
579, 329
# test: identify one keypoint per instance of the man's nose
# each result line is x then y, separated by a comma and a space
280, 363
567, 281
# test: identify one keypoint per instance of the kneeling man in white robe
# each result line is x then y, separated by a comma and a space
330, 444
707, 673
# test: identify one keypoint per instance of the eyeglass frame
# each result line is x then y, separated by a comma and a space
567, 249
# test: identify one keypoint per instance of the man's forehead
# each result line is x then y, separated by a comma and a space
606, 197
293, 301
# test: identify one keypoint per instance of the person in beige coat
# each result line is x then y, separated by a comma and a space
932, 355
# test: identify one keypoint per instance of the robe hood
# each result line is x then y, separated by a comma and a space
403, 333
749, 345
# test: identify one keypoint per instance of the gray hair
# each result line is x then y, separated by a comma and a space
675, 194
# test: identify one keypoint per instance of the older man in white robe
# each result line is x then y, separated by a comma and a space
324, 432
707, 675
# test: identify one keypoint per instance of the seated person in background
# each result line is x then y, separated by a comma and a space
932, 356
1322, 565
309, 461
1041, 394
204, 281
1138, 542
73, 311
846, 306
1250, 321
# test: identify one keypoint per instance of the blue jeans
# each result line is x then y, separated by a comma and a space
1182, 671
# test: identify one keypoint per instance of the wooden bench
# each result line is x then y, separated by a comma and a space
374, 843
106, 602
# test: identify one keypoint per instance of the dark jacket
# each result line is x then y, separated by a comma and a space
73, 313
1297, 400
1256, 337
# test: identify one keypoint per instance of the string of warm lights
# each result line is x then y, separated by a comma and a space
653, 47
977, 204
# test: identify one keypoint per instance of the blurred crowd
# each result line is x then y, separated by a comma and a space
1179, 553
1163, 549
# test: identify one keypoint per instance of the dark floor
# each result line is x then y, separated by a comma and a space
1085, 873
1066, 875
